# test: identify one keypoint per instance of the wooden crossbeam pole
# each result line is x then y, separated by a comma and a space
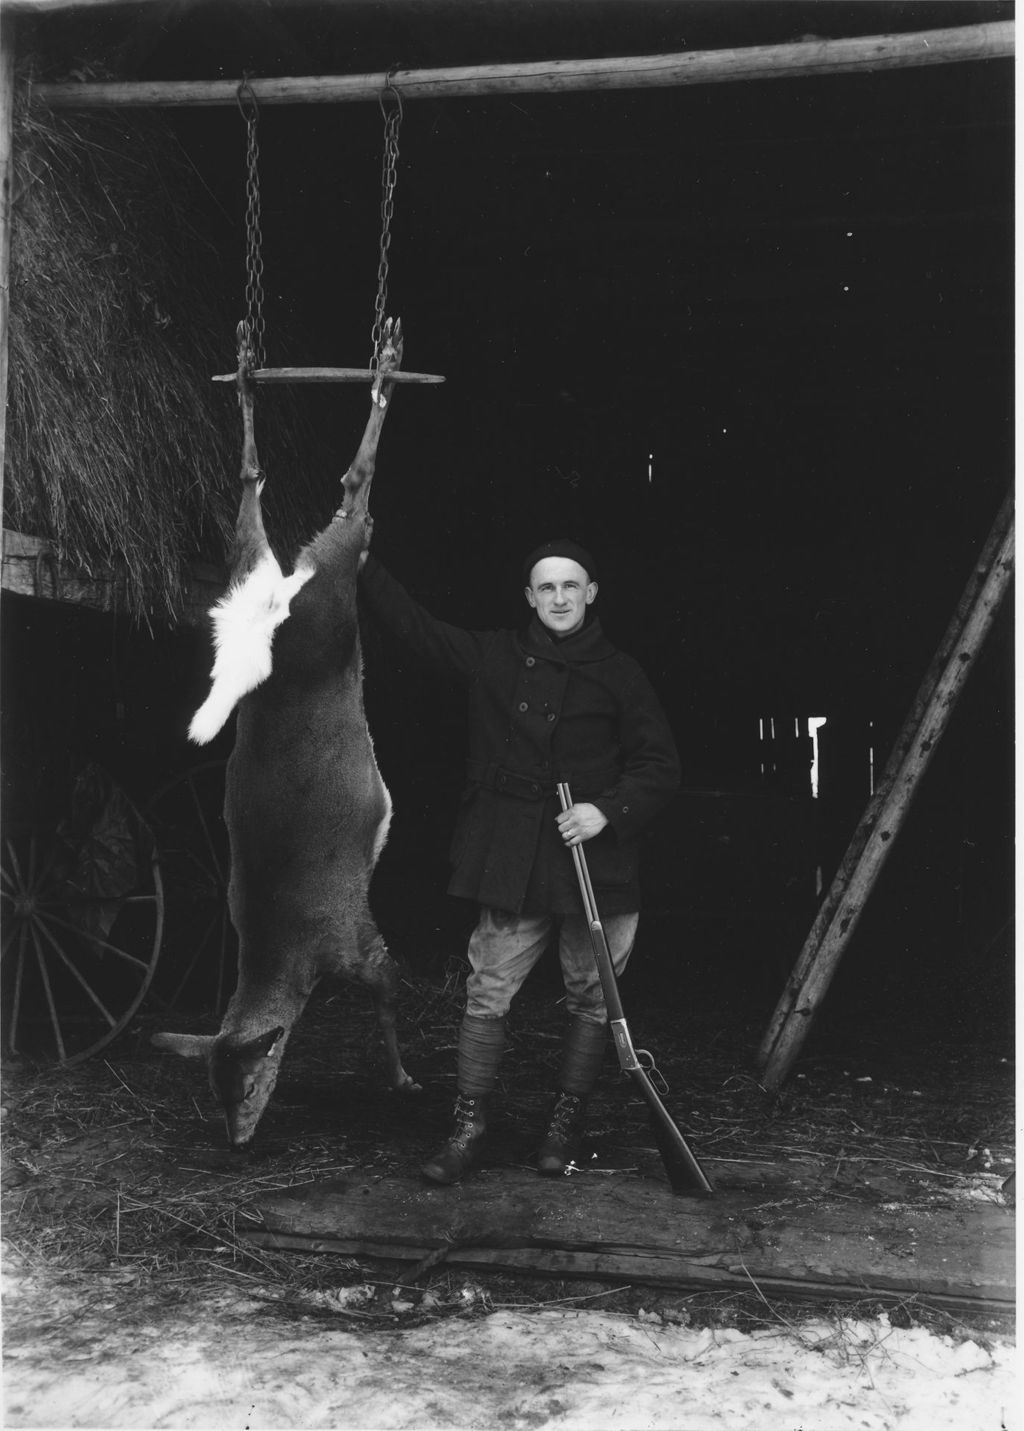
881, 823
861, 54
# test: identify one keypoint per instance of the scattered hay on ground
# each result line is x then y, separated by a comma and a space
117, 1171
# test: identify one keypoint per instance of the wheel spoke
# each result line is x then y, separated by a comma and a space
187, 811
37, 875
207, 869
225, 925
41, 959
200, 945
211, 847
96, 942
88, 985
76, 973
16, 879
12, 1038
39, 870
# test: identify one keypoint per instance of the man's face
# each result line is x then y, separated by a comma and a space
560, 593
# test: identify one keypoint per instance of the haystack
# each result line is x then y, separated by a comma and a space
121, 453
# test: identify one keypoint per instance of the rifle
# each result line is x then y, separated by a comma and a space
684, 1171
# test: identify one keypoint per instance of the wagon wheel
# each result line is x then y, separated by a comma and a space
200, 947
79, 952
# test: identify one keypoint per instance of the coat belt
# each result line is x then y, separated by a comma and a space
489, 775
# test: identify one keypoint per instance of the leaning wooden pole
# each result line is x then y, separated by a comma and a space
859, 54
881, 823
6, 200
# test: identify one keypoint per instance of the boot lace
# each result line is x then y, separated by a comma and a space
465, 1122
564, 1117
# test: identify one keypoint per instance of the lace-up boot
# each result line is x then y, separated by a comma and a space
562, 1141
582, 1056
455, 1159
481, 1046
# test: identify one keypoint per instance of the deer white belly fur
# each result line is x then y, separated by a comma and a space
244, 622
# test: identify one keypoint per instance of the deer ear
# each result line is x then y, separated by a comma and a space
265, 1044
262, 1046
188, 1045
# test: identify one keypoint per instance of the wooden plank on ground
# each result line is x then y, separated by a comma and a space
787, 1236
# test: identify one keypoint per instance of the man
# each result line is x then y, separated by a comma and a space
554, 702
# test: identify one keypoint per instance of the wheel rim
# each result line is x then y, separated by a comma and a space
200, 946
75, 967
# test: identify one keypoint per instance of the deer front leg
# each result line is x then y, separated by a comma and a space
250, 544
359, 476
374, 967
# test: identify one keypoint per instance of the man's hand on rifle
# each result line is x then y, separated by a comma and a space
580, 822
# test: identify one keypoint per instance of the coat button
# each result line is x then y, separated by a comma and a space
531, 660
625, 809
534, 789
551, 715
524, 705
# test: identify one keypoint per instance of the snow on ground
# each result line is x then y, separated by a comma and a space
232, 1364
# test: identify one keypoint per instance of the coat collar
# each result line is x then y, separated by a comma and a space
589, 643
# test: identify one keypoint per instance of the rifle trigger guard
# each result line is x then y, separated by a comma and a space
651, 1069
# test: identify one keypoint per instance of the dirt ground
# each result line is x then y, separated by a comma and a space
125, 1214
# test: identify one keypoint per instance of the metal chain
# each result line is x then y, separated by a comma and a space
253, 235
392, 122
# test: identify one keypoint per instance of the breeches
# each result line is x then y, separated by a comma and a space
504, 947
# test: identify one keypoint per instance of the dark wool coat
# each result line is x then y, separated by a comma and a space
542, 710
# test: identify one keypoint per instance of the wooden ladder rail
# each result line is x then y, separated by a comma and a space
882, 820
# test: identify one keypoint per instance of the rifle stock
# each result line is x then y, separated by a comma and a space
685, 1173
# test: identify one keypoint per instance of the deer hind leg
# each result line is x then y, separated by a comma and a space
250, 545
359, 476
258, 596
378, 971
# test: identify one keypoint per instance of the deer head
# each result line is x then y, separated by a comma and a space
243, 1072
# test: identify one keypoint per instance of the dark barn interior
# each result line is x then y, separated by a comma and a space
752, 343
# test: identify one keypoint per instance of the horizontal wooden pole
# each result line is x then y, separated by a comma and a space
49, 7
862, 54
327, 375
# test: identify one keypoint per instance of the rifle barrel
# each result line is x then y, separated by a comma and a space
685, 1173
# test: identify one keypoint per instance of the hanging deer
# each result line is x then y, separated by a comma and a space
305, 806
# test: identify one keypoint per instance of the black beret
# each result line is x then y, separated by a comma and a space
561, 547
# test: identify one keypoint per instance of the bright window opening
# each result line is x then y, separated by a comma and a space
814, 724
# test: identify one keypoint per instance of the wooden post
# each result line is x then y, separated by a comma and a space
858, 54
6, 200
883, 819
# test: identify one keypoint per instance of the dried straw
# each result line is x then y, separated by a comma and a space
120, 450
